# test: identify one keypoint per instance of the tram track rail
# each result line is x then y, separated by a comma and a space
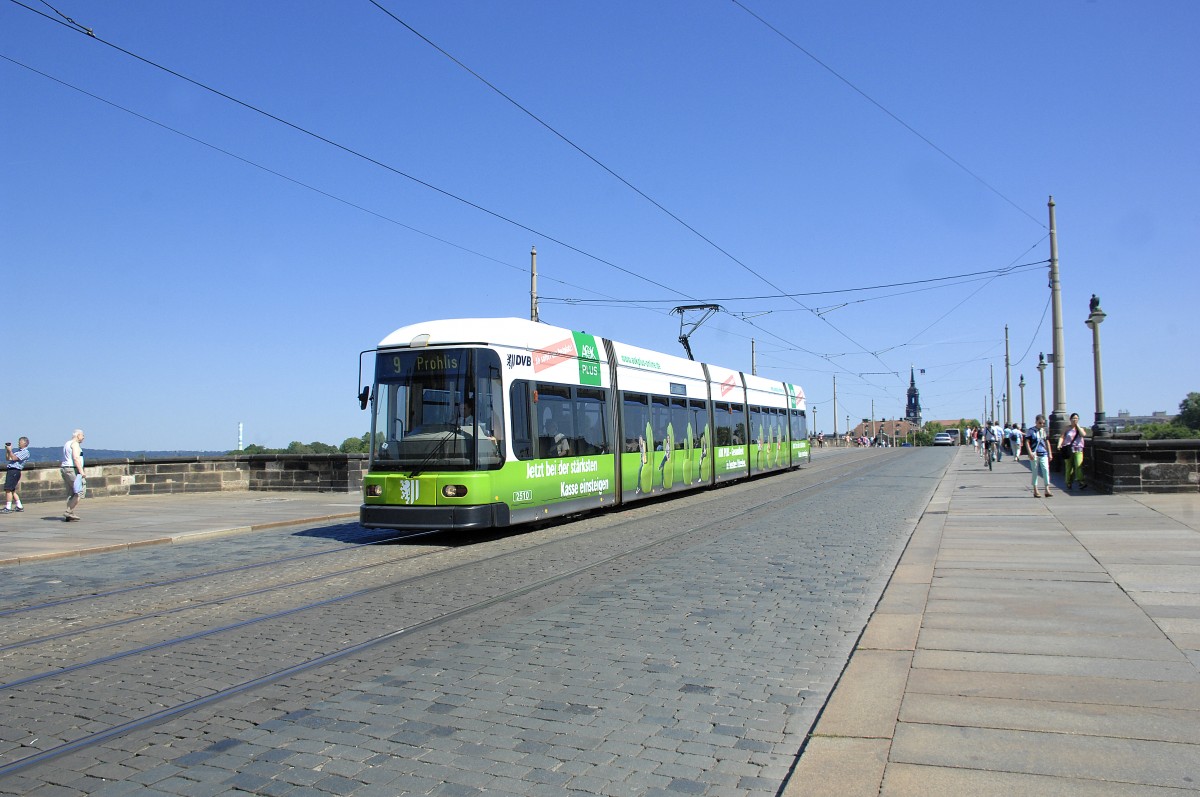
837, 472
9, 612
226, 598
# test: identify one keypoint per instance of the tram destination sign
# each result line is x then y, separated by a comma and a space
389, 365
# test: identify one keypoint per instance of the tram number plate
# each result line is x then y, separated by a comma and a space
522, 495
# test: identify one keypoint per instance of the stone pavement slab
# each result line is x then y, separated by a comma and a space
1057, 652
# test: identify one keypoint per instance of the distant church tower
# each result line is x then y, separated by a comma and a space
912, 413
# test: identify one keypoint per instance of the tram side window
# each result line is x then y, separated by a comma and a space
590, 411
699, 417
521, 426
756, 424
635, 414
555, 420
740, 433
798, 431
723, 420
660, 418
679, 419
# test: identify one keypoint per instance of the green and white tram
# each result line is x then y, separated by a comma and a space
484, 422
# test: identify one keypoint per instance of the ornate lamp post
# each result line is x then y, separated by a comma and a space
1097, 316
1056, 424
1041, 366
1021, 385
814, 430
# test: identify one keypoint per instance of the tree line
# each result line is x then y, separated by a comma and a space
351, 445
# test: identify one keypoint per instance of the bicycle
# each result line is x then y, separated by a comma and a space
991, 453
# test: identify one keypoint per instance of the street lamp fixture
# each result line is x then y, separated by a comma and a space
1094, 320
1021, 385
1041, 366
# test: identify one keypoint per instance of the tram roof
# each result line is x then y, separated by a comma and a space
475, 331
526, 334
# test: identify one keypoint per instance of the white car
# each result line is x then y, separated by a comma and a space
943, 439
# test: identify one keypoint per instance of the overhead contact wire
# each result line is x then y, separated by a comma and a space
896, 118
353, 152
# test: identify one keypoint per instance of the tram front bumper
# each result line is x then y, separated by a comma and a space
426, 518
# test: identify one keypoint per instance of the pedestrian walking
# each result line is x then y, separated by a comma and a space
998, 437
15, 461
72, 473
1039, 455
1072, 441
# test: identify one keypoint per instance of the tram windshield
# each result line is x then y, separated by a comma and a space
437, 410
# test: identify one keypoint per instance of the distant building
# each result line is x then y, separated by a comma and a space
912, 413
1124, 419
895, 431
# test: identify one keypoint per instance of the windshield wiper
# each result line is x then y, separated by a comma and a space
436, 450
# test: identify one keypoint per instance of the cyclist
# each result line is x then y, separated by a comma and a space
991, 440
998, 436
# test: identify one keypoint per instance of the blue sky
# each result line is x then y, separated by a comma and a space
160, 290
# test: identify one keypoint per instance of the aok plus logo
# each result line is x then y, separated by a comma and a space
519, 359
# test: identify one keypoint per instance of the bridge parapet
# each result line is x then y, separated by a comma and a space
324, 473
1145, 466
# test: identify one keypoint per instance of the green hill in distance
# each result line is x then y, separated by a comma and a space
44, 454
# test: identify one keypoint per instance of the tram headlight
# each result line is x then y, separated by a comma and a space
454, 490
374, 490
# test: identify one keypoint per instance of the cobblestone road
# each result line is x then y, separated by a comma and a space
696, 667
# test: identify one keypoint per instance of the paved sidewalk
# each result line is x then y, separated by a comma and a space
110, 524
1024, 646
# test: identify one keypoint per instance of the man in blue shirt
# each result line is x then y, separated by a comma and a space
16, 463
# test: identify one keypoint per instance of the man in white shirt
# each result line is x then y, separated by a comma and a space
71, 468
998, 436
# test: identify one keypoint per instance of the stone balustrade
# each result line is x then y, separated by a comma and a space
323, 473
